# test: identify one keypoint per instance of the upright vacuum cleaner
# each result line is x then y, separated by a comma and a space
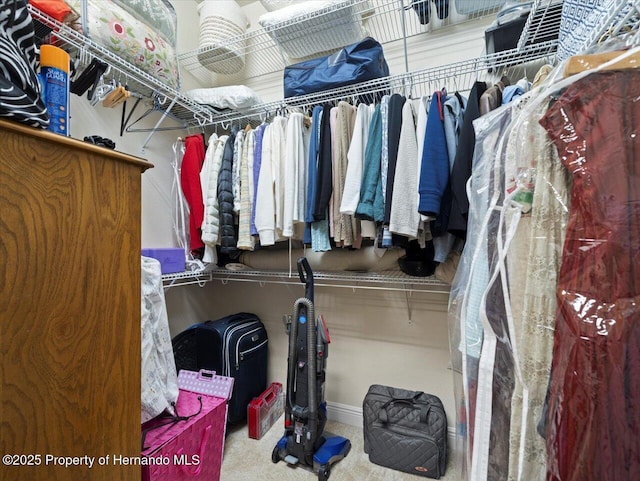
305, 416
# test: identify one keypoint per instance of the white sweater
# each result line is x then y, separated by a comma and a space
295, 175
265, 195
278, 150
355, 156
245, 240
405, 218
211, 221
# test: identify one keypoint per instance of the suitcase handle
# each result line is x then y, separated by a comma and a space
206, 375
268, 396
424, 409
203, 445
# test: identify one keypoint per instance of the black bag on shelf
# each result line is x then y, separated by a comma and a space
235, 346
405, 430
350, 65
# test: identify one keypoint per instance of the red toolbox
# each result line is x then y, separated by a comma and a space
192, 447
264, 410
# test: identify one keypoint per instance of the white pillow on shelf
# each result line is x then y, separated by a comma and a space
235, 97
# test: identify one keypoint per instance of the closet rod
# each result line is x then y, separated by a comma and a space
434, 77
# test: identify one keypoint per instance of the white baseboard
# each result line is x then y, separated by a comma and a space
352, 415
345, 414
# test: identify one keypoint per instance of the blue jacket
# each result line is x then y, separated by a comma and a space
312, 171
434, 173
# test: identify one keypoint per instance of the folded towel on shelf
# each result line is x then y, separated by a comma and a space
235, 97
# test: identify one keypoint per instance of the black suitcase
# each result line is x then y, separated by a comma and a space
234, 346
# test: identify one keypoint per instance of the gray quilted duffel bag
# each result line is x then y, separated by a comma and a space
405, 430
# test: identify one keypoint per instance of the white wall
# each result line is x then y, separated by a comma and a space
378, 336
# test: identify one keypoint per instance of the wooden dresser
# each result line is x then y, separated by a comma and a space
70, 233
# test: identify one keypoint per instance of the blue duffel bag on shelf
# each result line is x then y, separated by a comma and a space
352, 64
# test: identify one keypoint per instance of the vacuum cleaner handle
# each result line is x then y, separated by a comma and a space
306, 277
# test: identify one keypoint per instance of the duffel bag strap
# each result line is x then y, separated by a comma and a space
411, 402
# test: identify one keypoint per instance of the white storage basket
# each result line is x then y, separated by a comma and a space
222, 22
300, 32
271, 5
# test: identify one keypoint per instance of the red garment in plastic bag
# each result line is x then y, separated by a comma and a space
593, 426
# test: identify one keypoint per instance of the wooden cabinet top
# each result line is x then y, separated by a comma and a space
61, 140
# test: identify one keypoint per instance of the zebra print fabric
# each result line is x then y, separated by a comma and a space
19, 88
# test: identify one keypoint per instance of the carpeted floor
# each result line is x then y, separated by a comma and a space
248, 459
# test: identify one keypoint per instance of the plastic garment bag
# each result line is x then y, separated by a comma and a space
533, 262
593, 430
159, 378
549, 386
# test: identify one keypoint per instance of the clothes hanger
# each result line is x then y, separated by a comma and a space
118, 95
88, 80
100, 91
580, 63
156, 107
125, 118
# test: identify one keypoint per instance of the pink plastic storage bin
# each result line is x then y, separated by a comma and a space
187, 450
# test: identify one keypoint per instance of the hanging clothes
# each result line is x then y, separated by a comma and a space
257, 165
316, 232
384, 153
346, 233
265, 211
462, 165
491, 99
324, 175
434, 173
494, 378
205, 172
190, 182
443, 241
404, 218
421, 130
512, 92
471, 283
209, 181
394, 127
245, 240
532, 292
355, 155
278, 153
394, 124
235, 173
594, 398
228, 236
355, 167
371, 205
454, 109
294, 183
333, 123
